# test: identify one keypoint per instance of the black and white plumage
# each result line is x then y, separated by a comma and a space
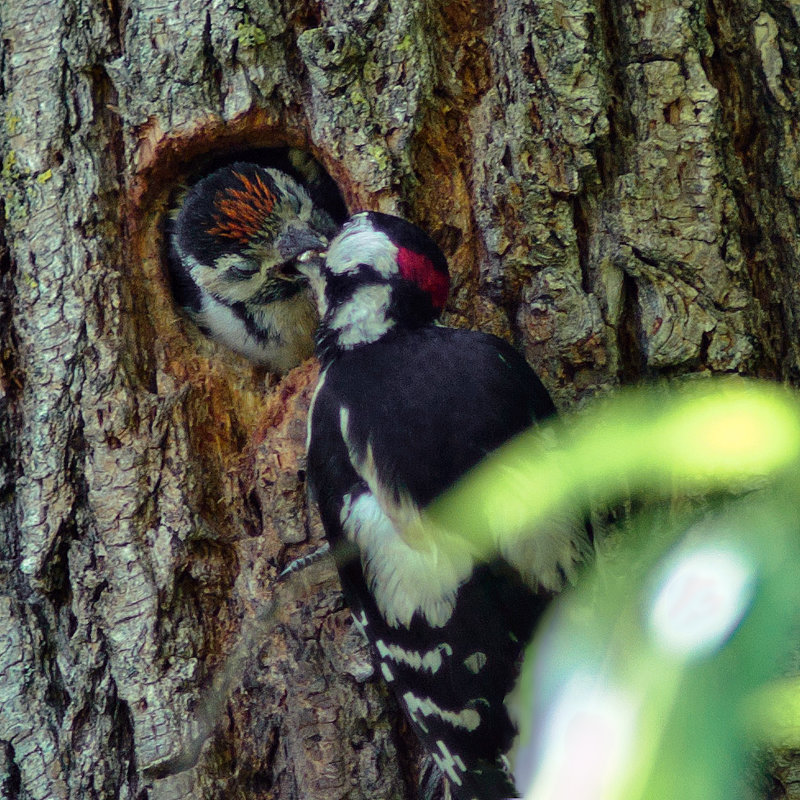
233, 241
403, 408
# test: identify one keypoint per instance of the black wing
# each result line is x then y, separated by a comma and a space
394, 424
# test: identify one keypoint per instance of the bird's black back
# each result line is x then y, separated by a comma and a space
400, 388
430, 403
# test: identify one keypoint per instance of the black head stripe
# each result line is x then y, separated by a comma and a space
409, 236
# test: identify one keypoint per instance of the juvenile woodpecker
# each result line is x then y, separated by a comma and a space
233, 242
403, 408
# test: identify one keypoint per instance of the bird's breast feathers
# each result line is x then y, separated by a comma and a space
404, 579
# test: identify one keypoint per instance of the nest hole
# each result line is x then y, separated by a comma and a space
299, 165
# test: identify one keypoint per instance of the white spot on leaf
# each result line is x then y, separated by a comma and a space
586, 744
701, 598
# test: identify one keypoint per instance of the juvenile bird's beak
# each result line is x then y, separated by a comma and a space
310, 265
291, 246
295, 241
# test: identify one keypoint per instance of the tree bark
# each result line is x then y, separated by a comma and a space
616, 185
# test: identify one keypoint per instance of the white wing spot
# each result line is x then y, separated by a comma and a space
467, 718
475, 662
701, 598
430, 661
361, 622
447, 763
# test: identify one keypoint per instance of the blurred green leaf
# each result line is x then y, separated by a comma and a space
699, 437
657, 667
774, 712
648, 682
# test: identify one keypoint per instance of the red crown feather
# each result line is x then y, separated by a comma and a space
243, 212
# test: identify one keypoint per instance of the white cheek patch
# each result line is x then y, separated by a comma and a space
358, 243
364, 317
403, 580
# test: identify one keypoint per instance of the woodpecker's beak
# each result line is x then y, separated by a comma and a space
310, 261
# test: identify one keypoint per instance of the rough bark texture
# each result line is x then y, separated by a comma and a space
616, 185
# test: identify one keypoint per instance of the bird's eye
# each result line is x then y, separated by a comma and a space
243, 269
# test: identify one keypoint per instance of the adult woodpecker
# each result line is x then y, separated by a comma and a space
233, 241
403, 408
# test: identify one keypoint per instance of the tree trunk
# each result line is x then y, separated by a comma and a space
616, 187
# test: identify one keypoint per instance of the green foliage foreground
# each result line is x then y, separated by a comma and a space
653, 678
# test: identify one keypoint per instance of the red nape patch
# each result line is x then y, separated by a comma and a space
419, 269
